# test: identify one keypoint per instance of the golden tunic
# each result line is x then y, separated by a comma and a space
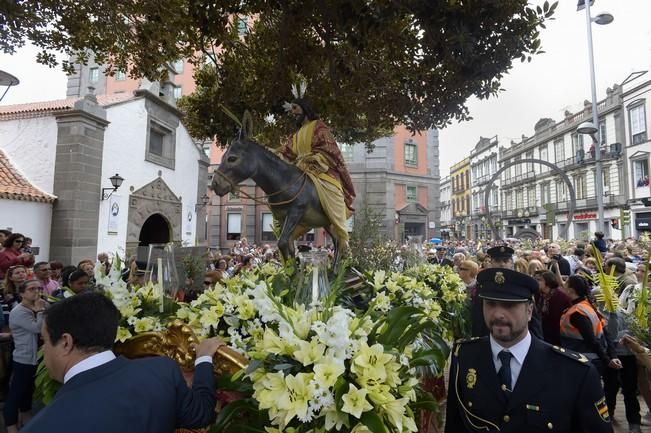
314, 150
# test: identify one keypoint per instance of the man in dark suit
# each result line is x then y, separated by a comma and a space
513, 382
440, 259
557, 260
105, 394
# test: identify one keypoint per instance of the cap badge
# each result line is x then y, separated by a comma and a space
499, 278
502, 250
471, 378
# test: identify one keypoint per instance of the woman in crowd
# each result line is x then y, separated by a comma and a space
535, 265
88, 266
582, 327
56, 267
65, 275
521, 265
590, 263
25, 322
551, 302
15, 276
247, 264
12, 254
77, 281
468, 272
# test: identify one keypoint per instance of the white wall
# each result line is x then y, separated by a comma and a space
31, 219
124, 153
31, 147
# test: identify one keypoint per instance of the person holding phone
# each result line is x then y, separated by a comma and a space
13, 255
556, 260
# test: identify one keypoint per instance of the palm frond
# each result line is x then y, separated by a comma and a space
607, 284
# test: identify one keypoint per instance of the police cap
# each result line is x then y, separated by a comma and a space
500, 252
505, 285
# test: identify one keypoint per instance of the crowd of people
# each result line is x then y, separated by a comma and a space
564, 311
563, 308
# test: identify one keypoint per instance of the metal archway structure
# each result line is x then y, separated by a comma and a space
554, 168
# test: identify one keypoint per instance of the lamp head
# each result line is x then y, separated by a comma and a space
116, 181
603, 18
587, 128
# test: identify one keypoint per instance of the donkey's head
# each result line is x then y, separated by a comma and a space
238, 163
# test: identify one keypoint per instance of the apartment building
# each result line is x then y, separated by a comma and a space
460, 180
483, 166
535, 197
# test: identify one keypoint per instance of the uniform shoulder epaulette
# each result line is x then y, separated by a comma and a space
461, 341
571, 354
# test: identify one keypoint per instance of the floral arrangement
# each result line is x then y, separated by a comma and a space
352, 362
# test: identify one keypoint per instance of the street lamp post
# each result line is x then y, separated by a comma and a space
601, 19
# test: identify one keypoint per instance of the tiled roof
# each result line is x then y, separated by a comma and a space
44, 108
13, 186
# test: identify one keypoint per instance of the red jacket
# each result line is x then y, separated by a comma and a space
9, 258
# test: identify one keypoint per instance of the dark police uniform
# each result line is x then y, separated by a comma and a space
557, 390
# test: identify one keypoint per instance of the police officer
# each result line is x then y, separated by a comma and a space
501, 257
511, 381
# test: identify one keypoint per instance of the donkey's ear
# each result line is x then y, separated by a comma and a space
247, 124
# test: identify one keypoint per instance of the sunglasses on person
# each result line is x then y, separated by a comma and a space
207, 283
19, 241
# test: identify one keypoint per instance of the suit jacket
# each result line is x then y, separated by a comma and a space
130, 396
557, 390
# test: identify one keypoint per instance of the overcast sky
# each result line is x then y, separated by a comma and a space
546, 87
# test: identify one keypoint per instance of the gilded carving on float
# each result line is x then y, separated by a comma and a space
177, 342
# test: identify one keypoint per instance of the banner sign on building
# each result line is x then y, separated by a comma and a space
114, 214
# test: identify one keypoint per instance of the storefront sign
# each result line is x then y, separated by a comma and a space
519, 221
586, 216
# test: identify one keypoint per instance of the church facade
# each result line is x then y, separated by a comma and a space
70, 149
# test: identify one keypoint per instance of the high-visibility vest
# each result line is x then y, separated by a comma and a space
569, 331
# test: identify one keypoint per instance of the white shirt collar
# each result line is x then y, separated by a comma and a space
89, 363
519, 350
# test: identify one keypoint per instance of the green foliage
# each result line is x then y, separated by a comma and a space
371, 249
193, 266
45, 386
369, 65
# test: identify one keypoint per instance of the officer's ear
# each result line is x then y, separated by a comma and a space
529, 310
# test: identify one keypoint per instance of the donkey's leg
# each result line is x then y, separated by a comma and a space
286, 239
335, 243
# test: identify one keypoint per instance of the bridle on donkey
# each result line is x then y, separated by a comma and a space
265, 199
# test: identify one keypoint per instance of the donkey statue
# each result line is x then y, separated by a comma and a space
290, 193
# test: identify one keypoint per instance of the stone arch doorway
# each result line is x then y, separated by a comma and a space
155, 198
155, 230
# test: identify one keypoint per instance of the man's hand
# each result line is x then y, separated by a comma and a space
615, 364
209, 346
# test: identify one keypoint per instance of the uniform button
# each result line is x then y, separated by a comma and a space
507, 418
550, 425
469, 404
